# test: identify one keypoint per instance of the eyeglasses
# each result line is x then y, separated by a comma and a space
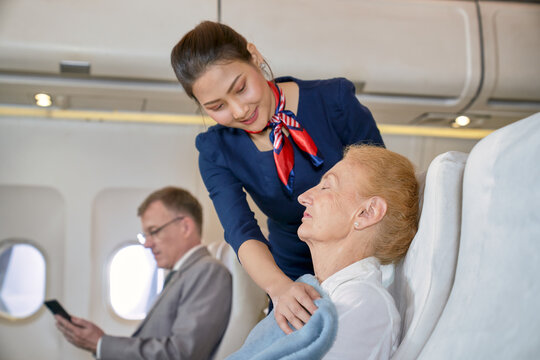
142, 236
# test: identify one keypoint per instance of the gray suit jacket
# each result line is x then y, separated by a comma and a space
187, 320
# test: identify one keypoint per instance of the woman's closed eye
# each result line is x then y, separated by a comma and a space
241, 89
328, 181
216, 107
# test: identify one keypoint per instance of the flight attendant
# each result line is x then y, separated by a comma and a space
274, 139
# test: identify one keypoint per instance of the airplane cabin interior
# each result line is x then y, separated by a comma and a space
93, 119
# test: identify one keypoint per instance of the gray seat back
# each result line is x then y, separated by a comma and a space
492, 311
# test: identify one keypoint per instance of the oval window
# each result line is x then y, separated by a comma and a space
22, 279
134, 281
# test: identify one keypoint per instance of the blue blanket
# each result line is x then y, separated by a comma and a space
268, 342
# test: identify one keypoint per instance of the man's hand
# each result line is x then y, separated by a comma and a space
81, 333
293, 303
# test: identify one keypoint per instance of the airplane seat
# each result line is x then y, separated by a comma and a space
492, 311
248, 302
423, 279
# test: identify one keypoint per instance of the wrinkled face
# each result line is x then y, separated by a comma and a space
169, 244
331, 205
235, 94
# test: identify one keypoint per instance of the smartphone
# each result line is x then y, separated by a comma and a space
56, 308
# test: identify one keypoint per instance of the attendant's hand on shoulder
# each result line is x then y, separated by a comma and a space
294, 304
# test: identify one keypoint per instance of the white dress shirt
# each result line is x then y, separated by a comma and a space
368, 321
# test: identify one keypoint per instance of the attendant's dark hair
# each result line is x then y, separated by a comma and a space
207, 44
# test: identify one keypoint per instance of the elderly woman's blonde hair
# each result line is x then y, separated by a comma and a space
390, 176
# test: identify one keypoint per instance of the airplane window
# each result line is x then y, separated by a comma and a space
22, 279
134, 281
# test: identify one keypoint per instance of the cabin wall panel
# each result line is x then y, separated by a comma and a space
114, 224
36, 214
421, 150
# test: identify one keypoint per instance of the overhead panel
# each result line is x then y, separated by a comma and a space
412, 61
511, 82
407, 58
420, 48
517, 34
114, 37
100, 54
512, 46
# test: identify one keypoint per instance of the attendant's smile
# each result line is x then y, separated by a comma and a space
252, 118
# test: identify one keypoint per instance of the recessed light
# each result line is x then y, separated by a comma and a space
462, 121
43, 100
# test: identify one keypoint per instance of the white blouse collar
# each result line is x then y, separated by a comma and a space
365, 269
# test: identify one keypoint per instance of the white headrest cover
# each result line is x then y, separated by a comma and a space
423, 280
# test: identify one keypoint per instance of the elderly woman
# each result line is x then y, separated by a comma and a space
362, 214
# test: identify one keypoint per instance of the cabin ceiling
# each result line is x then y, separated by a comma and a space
418, 63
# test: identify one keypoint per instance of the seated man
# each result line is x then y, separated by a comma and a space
190, 315
362, 214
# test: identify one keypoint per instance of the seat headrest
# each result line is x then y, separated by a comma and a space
423, 279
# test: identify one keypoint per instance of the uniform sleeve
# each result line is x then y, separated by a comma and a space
227, 193
354, 123
200, 319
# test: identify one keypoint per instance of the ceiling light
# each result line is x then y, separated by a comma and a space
43, 100
462, 121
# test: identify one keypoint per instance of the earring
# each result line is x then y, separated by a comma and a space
356, 224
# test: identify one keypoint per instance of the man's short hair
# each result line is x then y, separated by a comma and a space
175, 199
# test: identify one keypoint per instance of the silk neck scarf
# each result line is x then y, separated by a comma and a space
283, 149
